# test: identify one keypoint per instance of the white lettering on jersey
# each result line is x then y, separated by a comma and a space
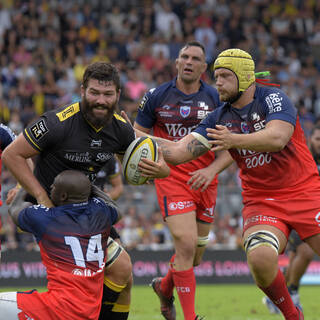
178, 130
259, 125
274, 102
254, 159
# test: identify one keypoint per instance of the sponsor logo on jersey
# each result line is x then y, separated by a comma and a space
177, 130
185, 111
203, 105
38, 130
260, 219
87, 272
203, 112
274, 102
180, 205
68, 112
96, 144
255, 117
164, 112
103, 156
145, 99
259, 125
244, 127
80, 157
209, 212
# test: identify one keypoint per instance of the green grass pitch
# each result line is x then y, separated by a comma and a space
219, 302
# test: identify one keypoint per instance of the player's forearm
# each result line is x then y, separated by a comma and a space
268, 140
17, 205
221, 162
115, 192
20, 169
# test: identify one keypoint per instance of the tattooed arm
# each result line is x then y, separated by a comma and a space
181, 151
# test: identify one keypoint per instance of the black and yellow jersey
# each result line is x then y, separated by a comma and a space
66, 140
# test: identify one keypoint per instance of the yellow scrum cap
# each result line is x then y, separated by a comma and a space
241, 63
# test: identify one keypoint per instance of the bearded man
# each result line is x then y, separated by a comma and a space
82, 136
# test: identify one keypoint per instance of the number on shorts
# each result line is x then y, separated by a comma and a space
94, 250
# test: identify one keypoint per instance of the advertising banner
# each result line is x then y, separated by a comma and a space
24, 269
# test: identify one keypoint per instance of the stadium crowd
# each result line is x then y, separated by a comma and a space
45, 45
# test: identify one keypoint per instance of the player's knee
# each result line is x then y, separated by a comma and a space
262, 250
305, 252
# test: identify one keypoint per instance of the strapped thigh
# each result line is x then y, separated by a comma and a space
261, 238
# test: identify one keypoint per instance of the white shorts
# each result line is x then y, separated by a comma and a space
8, 306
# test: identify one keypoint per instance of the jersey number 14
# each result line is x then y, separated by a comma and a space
94, 250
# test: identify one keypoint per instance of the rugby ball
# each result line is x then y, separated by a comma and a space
143, 147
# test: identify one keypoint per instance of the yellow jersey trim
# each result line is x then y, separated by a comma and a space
27, 134
118, 117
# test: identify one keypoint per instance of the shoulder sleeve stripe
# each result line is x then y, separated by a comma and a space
68, 111
201, 139
30, 140
118, 117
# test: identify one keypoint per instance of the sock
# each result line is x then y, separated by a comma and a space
167, 284
293, 288
118, 312
279, 295
111, 292
185, 283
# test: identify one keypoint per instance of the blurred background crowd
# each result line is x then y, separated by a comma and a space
45, 45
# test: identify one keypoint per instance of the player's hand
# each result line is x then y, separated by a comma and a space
222, 138
201, 178
152, 169
125, 116
138, 132
11, 194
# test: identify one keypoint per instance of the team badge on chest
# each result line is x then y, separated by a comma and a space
245, 127
185, 111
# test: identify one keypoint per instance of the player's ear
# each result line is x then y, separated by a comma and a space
205, 66
63, 196
177, 61
82, 90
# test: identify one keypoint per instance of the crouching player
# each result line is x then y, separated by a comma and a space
73, 240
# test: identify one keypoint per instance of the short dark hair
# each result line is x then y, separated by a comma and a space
101, 71
194, 44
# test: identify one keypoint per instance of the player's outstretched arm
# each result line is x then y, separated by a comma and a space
17, 205
15, 157
174, 152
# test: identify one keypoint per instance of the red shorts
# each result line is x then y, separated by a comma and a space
176, 197
299, 213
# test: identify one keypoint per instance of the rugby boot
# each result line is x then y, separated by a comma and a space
167, 307
296, 298
273, 309
199, 318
